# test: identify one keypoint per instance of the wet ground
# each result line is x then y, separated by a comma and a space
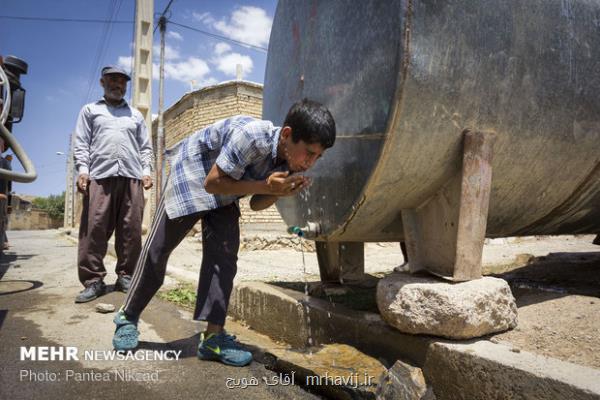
555, 280
558, 296
38, 283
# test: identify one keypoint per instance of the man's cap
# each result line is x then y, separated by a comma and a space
111, 69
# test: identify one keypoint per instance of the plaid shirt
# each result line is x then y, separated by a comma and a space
243, 147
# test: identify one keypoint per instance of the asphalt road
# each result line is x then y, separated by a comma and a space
38, 283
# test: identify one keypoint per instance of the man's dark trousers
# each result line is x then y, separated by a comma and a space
114, 204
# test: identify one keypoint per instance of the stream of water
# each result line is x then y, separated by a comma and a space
306, 296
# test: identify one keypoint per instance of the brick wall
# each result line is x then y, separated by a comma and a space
28, 220
267, 216
198, 109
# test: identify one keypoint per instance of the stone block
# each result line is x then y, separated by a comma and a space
403, 382
420, 304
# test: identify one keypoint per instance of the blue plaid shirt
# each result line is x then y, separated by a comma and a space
243, 147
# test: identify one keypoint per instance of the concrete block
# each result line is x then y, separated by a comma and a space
281, 314
483, 370
271, 311
456, 370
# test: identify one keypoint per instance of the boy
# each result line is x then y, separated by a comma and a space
209, 171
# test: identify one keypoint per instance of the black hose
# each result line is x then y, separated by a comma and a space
23, 177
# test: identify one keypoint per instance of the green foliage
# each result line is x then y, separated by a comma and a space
184, 295
54, 205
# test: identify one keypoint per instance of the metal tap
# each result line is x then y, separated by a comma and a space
310, 231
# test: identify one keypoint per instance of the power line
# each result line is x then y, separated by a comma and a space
113, 11
162, 15
93, 21
109, 21
167, 7
237, 42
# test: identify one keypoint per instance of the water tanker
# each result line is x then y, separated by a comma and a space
456, 120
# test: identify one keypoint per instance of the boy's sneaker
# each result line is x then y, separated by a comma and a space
223, 347
126, 334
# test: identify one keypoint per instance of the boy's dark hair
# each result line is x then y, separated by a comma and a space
311, 122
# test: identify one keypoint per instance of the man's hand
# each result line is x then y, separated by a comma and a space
82, 183
147, 181
281, 184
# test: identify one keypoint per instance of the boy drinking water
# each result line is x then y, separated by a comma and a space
210, 170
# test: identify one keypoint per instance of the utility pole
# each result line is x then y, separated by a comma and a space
142, 76
160, 133
70, 194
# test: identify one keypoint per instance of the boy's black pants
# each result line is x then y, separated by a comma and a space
220, 244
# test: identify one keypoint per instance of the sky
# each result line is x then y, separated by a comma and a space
65, 59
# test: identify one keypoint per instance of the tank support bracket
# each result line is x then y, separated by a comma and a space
445, 234
341, 261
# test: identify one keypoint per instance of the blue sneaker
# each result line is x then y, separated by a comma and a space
223, 347
126, 334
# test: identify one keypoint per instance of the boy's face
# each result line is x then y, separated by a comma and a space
300, 156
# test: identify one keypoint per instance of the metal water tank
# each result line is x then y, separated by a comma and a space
404, 78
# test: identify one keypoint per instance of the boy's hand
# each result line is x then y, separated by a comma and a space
281, 184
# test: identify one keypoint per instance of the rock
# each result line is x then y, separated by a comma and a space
104, 308
524, 259
420, 304
403, 382
496, 241
402, 268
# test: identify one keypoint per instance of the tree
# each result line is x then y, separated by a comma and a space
54, 205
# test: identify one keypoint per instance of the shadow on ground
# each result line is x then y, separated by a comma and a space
555, 275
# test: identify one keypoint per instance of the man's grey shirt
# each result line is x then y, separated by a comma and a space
112, 141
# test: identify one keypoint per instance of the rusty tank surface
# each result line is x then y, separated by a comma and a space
404, 80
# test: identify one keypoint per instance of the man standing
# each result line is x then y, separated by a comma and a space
113, 157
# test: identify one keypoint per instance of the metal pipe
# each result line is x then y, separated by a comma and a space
6, 102
160, 133
23, 177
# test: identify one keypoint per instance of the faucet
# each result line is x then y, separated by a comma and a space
310, 231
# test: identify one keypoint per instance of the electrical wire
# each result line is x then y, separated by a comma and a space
110, 21
213, 35
162, 15
96, 59
93, 21
103, 43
